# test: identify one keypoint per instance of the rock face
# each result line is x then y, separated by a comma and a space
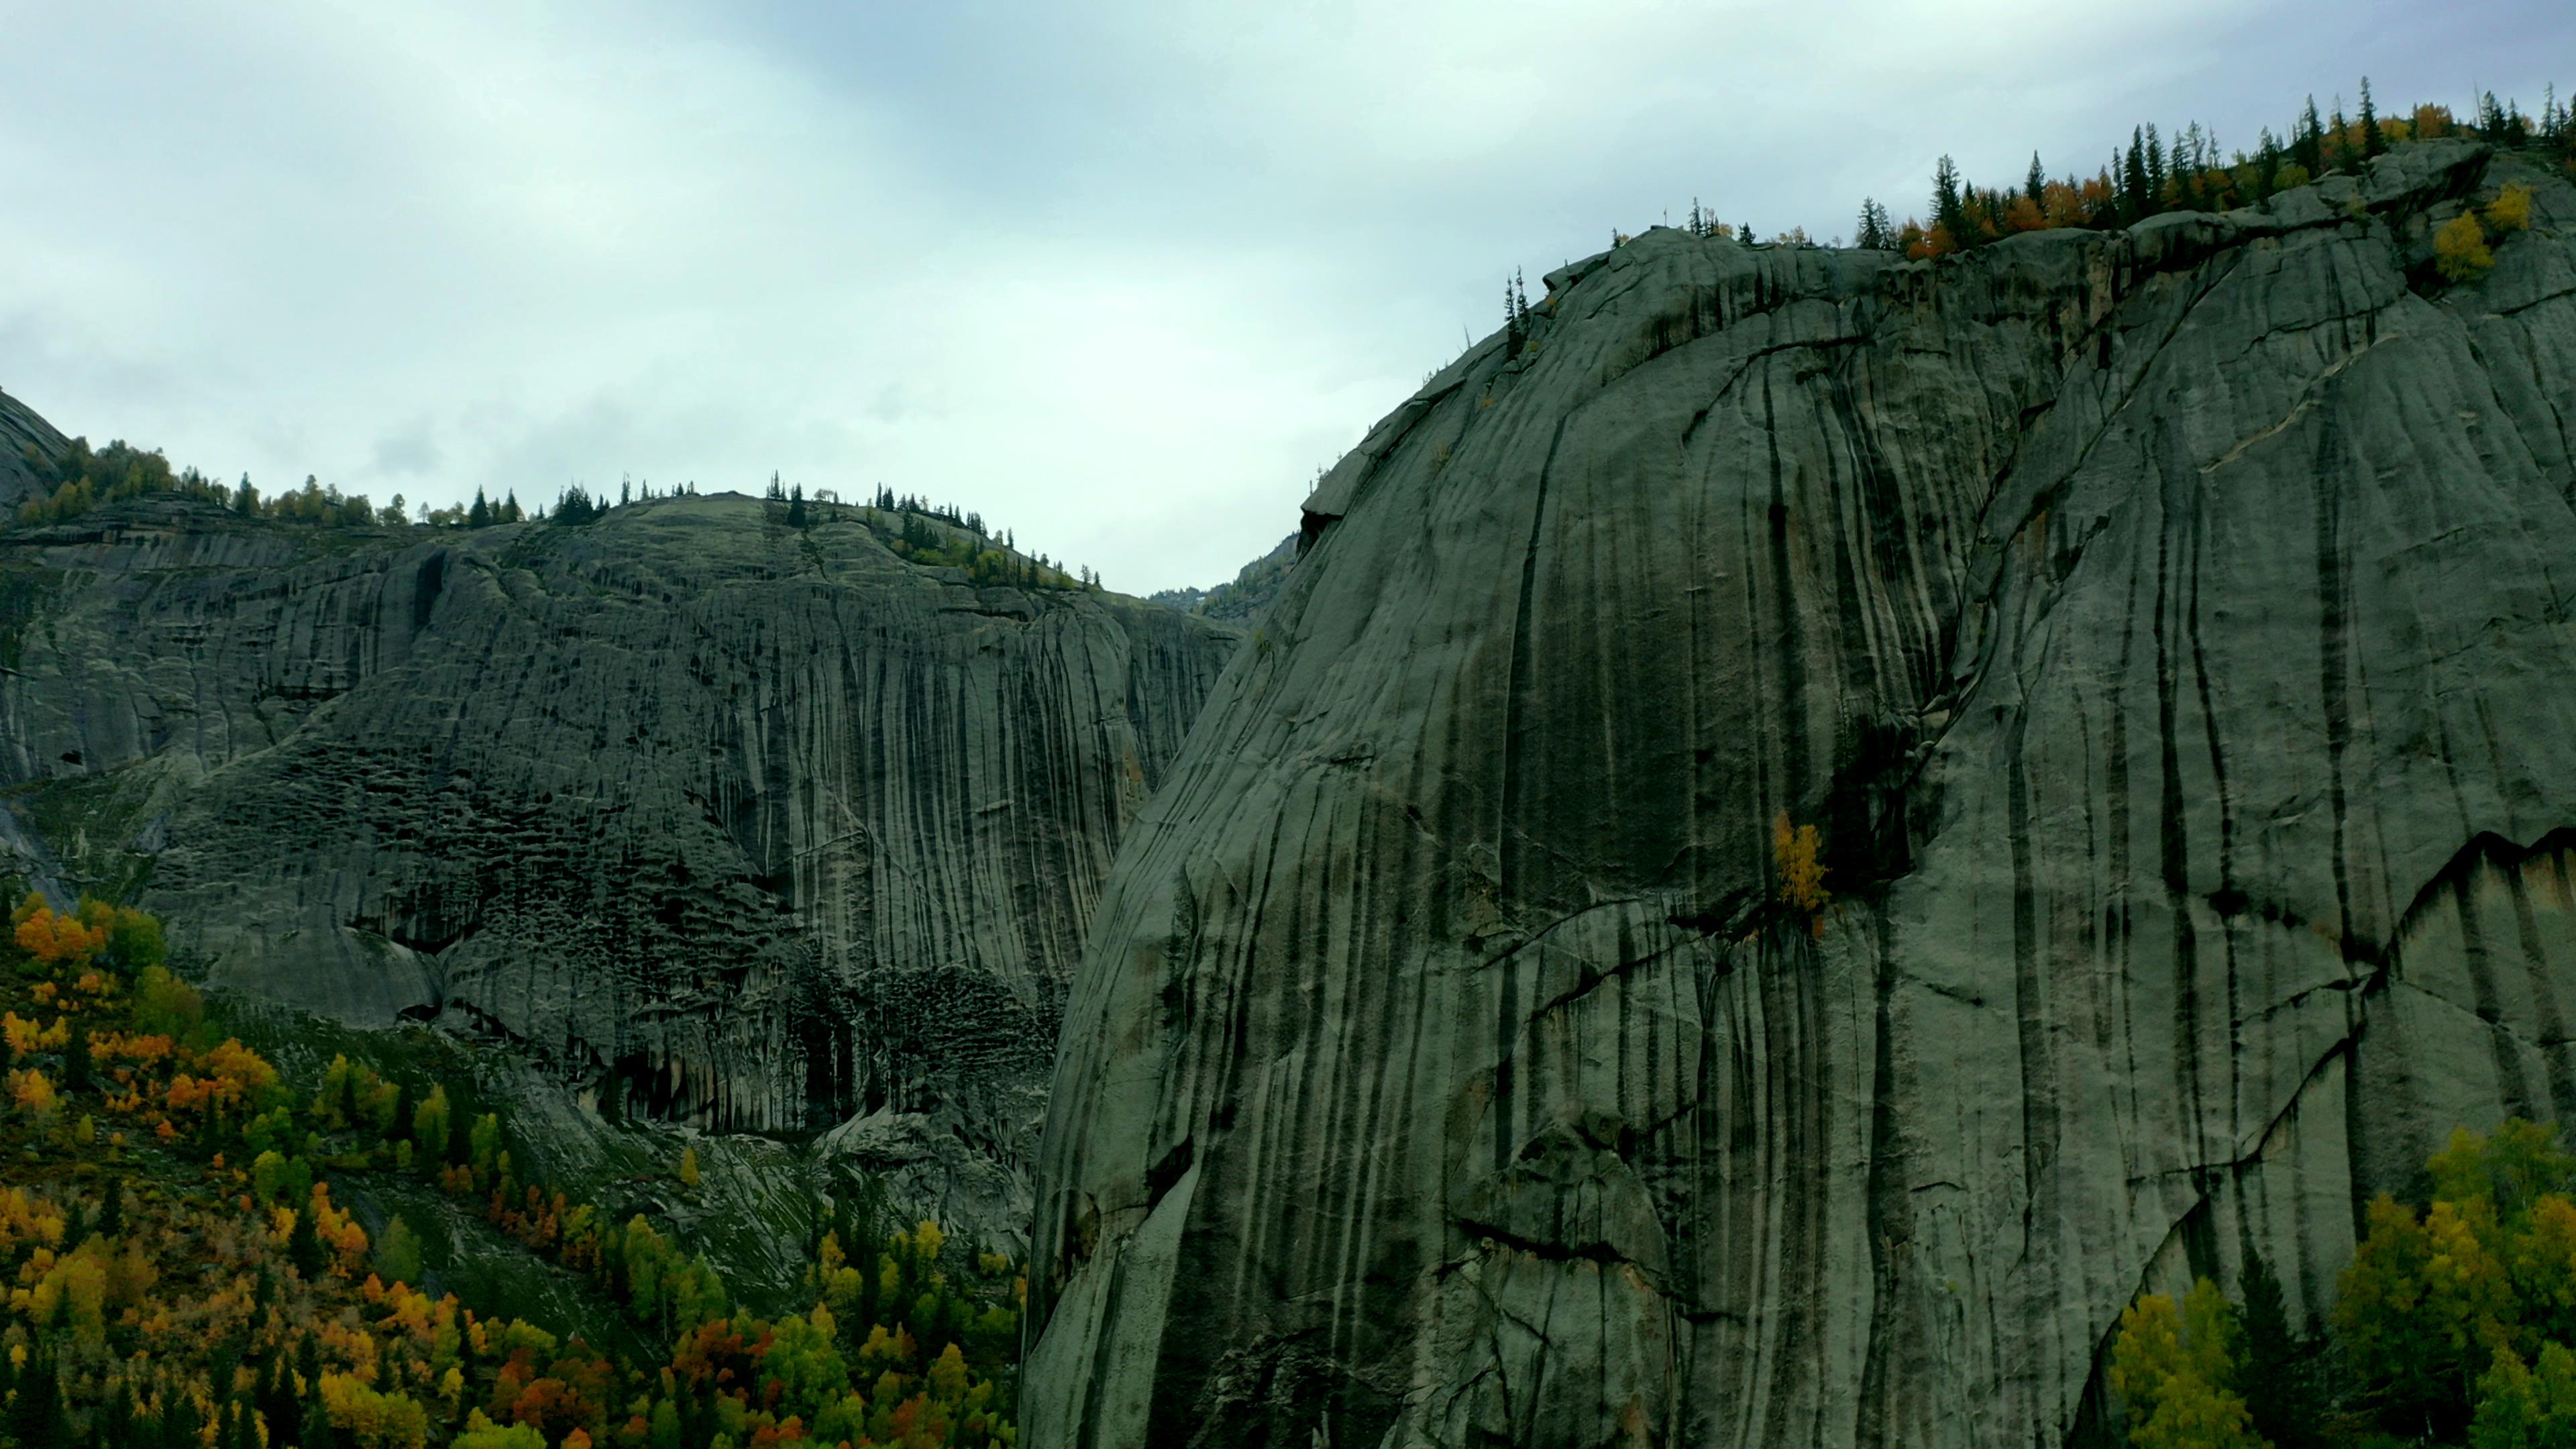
2169, 634
729, 824
25, 440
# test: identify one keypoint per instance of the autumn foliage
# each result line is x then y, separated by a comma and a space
2454, 1321
179, 1265
1796, 862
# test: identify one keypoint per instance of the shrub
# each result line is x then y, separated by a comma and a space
2511, 210
2460, 250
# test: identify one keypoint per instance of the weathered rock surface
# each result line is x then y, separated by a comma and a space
2170, 632
729, 825
25, 440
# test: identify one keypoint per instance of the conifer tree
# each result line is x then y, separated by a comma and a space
180, 1421
2373, 143
315, 1429
2275, 1379
2308, 146
1945, 199
303, 1245
480, 515
2035, 185
36, 1412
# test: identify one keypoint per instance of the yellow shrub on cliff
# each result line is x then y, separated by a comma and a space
2460, 248
1795, 852
2511, 210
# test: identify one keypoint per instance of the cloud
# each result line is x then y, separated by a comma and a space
1119, 276
412, 451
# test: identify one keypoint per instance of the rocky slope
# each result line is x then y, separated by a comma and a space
2169, 633
721, 823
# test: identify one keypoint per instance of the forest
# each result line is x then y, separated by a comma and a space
2153, 175
183, 1267
2454, 1324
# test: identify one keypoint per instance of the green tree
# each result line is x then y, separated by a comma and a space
430, 1124
303, 1245
2520, 1408
36, 1414
485, 1141
2308, 142
398, 1252
2510, 1169
1945, 200
2278, 1378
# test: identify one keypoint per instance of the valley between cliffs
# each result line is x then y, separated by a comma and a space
2169, 633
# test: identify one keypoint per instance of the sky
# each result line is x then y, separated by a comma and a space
1121, 276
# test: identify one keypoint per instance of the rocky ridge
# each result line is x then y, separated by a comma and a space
717, 823
1241, 599
2169, 632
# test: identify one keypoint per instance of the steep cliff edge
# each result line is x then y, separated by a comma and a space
722, 823
2170, 633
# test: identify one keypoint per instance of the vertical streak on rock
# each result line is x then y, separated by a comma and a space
2479, 965
2172, 833
2032, 1027
2332, 668
2547, 1015
1792, 657
1520, 709
2197, 521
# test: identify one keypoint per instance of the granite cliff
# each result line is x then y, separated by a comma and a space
2168, 634
716, 822
27, 442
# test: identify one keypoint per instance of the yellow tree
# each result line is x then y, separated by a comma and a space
2511, 210
2173, 1369
1795, 852
2460, 248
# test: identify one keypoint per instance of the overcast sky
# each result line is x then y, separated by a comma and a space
1120, 275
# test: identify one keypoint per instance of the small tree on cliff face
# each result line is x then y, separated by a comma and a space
1795, 852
